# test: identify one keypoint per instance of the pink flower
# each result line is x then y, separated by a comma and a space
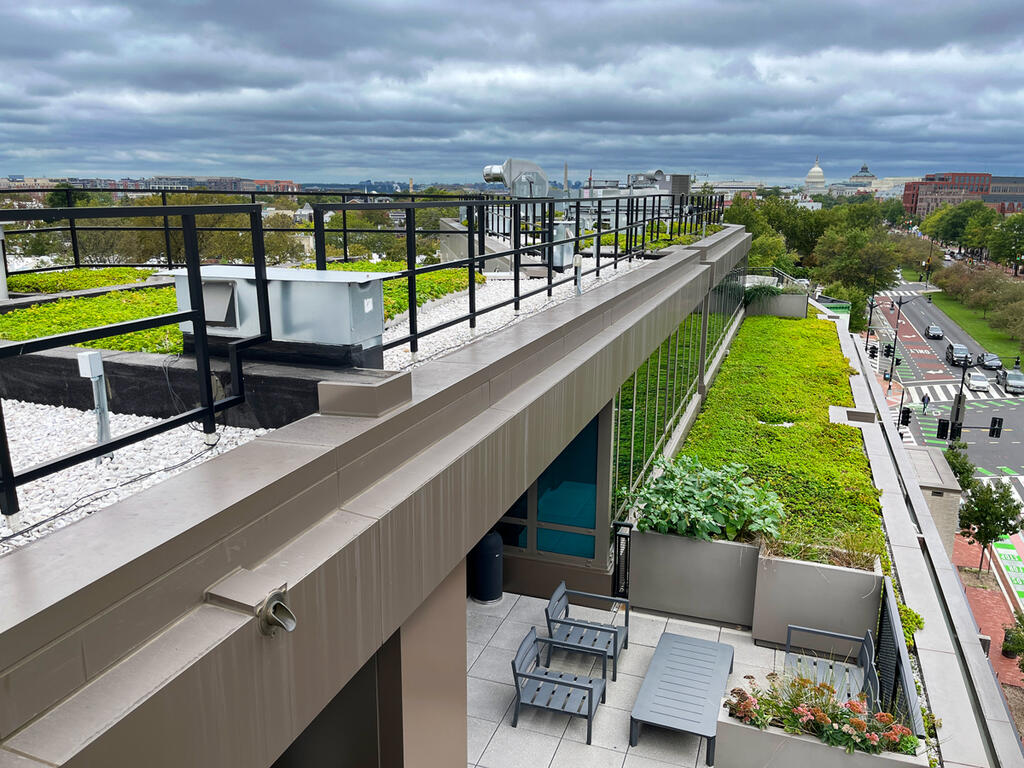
873, 738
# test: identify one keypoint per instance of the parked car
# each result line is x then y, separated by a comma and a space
933, 331
957, 354
977, 381
990, 361
1012, 381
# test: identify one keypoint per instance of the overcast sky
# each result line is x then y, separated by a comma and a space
318, 90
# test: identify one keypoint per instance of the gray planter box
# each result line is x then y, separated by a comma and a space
814, 595
711, 580
744, 746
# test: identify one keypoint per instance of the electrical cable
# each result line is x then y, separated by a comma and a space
88, 498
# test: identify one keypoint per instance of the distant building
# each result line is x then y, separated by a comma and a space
936, 189
864, 177
814, 183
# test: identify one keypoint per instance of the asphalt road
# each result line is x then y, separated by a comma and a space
925, 370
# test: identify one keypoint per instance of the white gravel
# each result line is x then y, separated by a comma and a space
40, 432
499, 286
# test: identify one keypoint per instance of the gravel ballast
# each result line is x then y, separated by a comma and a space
37, 433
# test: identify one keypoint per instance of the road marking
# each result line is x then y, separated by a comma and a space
983, 470
1007, 470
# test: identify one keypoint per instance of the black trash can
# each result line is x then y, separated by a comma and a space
484, 569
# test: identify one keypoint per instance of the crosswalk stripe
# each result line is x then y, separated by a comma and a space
1006, 481
948, 392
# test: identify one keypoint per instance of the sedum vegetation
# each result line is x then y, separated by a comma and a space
74, 314
76, 279
768, 410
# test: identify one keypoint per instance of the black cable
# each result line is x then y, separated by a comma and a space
90, 497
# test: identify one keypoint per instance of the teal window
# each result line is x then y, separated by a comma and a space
567, 489
565, 543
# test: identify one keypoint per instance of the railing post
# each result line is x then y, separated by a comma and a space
471, 270
597, 242
8, 490
480, 233
71, 228
410, 265
516, 258
167, 232
550, 210
319, 238
643, 226
202, 349
579, 229
344, 229
615, 247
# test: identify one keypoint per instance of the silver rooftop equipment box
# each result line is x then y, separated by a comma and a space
306, 305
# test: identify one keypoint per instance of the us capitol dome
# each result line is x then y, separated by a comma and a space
814, 183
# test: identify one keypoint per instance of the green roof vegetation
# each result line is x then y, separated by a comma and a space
768, 410
62, 280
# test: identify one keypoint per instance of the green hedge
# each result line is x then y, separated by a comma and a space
76, 314
784, 371
76, 279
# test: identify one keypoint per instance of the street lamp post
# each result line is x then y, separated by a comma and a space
896, 330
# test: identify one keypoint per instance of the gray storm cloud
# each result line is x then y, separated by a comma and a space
323, 90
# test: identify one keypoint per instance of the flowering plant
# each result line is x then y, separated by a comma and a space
801, 705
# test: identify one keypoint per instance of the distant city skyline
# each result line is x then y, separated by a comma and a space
436, 91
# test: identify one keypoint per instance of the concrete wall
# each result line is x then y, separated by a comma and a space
118, 647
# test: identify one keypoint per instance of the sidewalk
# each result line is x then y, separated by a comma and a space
991, 611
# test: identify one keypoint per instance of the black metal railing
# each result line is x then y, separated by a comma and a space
208, 407
620, 558
898, 692
170, 253
527, 227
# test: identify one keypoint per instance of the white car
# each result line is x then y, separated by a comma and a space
977, 381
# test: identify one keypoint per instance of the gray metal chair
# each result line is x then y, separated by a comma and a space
544, 688
847, 678
585, 636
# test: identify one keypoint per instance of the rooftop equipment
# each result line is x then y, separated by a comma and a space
318, 317
523, 178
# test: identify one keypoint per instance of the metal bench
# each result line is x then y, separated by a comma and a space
683, 688
586, 636
847, 678
538, 686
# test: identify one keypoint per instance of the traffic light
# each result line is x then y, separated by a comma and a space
873, 352
943, 431
887, 376
898, 361
955, 431
995, 429
959, 406
905, 417
888, 350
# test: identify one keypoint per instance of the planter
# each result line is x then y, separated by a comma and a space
1009, 654
743, 746
815, 595
783, 305
712, 580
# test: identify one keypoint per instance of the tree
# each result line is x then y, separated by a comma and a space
893, 212
747, 213
989, 512
858, 258
980, 227
58, 198
963, 468
766, 250
1006, 242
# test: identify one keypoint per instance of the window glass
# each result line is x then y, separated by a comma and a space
565, 543
512, 534
567, 489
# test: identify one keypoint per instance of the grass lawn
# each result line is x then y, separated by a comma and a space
993, 340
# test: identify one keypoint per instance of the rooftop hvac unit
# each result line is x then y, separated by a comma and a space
523, 178
315, 316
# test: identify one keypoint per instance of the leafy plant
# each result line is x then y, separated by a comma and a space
801, 704
1013, 637
760, 291
988, 513
58, 281
689, 499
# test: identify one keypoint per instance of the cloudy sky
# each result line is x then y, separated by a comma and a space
315, 90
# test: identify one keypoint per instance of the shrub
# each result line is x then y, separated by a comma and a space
801, 704
76, 279
689, 499
761, 291
911, 621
